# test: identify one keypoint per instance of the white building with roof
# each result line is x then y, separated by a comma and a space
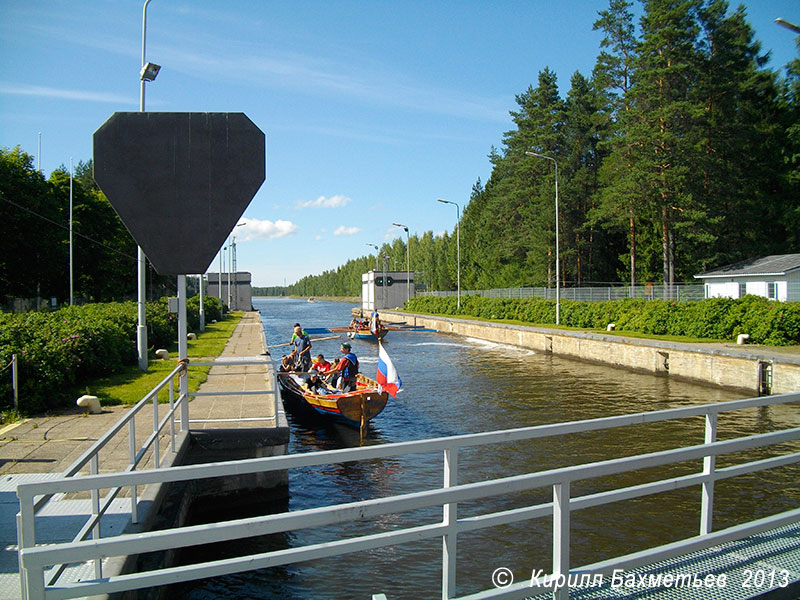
776, 277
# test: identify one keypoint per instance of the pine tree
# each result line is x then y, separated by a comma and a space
663, 115
618, 205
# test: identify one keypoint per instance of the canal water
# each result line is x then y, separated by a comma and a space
454, 385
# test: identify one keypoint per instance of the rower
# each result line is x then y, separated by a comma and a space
302, 345
347, 367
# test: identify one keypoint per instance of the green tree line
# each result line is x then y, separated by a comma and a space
34, 237
679, 153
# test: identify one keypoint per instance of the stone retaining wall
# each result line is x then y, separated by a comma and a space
747, 369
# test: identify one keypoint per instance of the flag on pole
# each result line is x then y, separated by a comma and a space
387, 376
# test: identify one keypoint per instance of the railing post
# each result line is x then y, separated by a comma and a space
32, 583
709, 464
15, 380
156, 446
94, 469
183, 382
172, 414
450, 518
132, 455
561, 538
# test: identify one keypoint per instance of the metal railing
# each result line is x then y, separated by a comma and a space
678, 292
91, 457
35, 559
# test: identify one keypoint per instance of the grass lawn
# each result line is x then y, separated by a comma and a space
131, 385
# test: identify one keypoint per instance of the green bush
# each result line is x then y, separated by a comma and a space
61, 350
767, 322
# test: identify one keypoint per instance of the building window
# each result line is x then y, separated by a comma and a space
772, 290
742, 289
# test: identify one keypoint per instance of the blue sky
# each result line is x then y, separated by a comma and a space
372, 110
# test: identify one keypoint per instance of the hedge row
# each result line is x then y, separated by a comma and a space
60, 350
767, 322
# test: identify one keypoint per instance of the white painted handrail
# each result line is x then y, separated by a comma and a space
35, 559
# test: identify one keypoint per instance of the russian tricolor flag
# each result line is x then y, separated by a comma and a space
387, 376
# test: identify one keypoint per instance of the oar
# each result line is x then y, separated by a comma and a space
330, 337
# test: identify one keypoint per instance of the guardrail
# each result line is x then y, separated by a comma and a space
136, 454
35, 560
679, 292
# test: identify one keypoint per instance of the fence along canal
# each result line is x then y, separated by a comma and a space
375, 532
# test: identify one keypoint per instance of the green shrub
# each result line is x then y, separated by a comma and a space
767, 322
60, 350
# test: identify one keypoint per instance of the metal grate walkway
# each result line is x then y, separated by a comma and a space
764, 563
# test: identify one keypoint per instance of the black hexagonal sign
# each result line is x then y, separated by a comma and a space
179, 181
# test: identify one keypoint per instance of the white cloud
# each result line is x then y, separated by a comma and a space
336, 201
41, 91
256, 229
342, 230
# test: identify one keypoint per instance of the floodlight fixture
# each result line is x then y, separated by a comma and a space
149, 72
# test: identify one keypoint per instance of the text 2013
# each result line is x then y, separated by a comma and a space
760, 578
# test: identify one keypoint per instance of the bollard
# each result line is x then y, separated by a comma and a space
742, 338
162, 354
611, 327
191, 336
89, 402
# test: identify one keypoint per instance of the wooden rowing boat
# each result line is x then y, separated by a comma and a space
354, 408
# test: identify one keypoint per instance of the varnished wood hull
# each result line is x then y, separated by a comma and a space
347, 407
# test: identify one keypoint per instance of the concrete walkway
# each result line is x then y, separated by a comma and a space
42, 447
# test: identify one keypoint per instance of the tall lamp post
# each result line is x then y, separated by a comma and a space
148, 73
71, 286
377, 254
377, 251
458, 245
558, 265
408, 261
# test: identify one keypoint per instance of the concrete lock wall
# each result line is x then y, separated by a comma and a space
748, 369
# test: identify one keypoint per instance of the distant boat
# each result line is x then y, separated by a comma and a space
362, 332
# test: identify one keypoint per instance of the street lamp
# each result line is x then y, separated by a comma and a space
458, 244
383, 281
788, 25
71, 287
219, 277
558, 266
148, 73
377, 251
408, 261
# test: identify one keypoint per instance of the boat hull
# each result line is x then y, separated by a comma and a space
366, 334
349, 408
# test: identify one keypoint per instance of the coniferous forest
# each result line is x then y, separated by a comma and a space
678, 153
